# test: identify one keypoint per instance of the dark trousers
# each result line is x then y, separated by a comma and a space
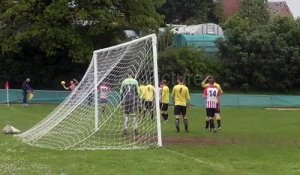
25, 97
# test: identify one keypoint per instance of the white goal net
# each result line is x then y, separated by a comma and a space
98, 114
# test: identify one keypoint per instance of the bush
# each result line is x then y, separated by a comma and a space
191, 63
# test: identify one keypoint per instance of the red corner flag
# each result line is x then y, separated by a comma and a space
6, 85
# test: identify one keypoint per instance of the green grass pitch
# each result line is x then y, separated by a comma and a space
252, 141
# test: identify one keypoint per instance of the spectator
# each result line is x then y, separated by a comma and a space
72, 86
26, 89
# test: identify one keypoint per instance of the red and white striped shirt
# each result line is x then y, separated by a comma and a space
211, 95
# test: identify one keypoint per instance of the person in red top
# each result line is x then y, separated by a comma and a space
211, 94
72, 86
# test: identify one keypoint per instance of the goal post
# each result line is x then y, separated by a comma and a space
94, 115
95, 91
155, 74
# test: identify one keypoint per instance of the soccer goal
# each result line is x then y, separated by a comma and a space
92, 117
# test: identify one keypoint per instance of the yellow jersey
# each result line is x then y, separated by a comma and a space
216, 85
149, 92
142, 91
165, 94
180, 95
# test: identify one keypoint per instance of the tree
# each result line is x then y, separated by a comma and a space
191, 63
255, 10
267, 57
49, 37
188, 11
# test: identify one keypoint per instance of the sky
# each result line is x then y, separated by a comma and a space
294, 6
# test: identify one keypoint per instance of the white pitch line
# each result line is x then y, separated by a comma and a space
186, 156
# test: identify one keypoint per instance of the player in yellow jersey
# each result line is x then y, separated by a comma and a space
181, 98
149, 93
204, 85
164, 100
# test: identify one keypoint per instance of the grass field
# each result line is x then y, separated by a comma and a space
253, 141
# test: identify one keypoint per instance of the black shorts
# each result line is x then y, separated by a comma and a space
130, 106
179, 110
148, 104
210, 112
164, 106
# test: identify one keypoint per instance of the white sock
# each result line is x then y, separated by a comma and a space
126, 122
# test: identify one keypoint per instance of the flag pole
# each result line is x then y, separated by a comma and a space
7, 97
7, 94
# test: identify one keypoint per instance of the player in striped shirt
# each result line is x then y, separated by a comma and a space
149, 92
218, 111
129, 92
164, 100
211, 94
181, 97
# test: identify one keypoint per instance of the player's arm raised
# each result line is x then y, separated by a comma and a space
64, 85
203, 83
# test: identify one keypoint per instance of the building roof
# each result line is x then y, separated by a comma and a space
207, 28
279, 8
230, 7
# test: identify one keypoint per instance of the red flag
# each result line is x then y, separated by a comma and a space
6, 85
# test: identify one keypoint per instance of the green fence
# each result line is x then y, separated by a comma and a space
227, 100
240, 100
203, 41
40, 96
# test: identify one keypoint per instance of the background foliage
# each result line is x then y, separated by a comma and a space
191, 63
260, 53
50, 40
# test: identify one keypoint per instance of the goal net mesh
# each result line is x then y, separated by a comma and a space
92, 117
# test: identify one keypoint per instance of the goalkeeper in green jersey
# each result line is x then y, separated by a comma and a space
130, 95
